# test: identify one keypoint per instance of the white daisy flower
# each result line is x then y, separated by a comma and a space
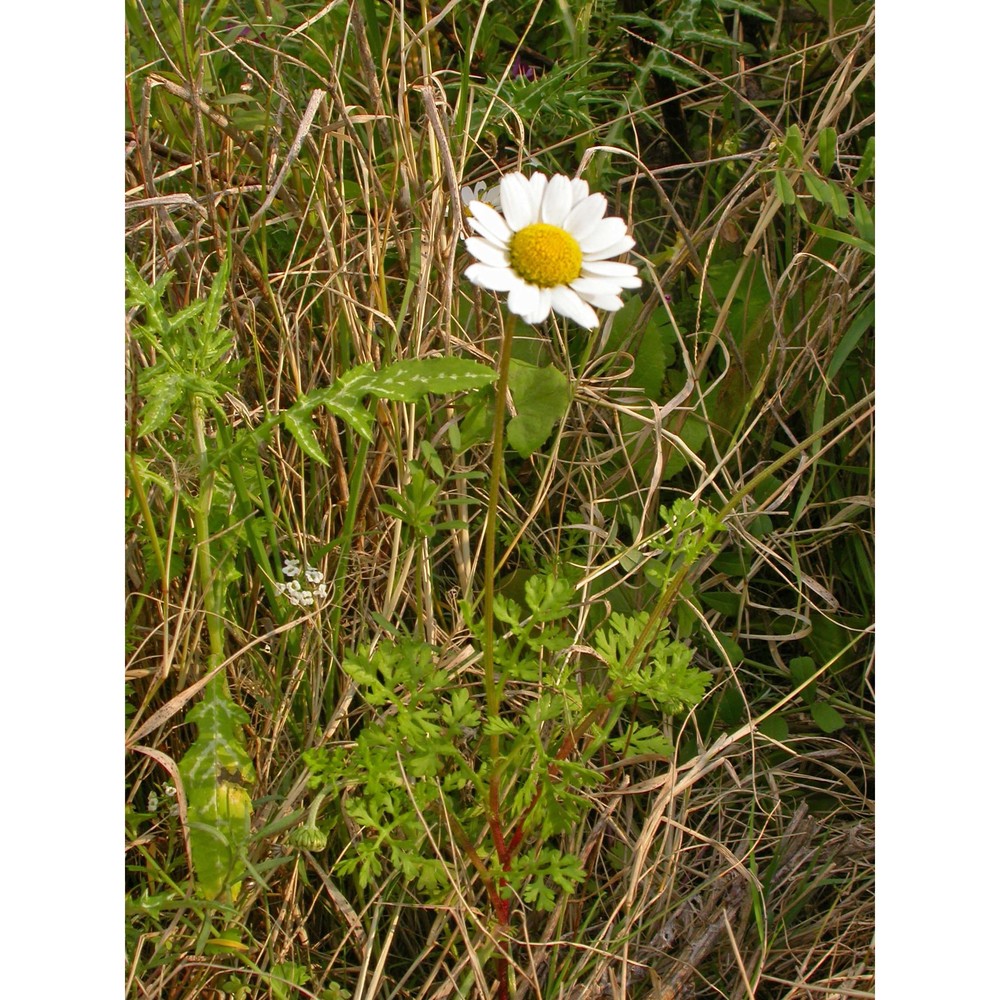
551, 248
480, 192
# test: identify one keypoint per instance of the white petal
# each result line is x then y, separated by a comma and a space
588, 287
585, 216
537, 184
490, 223
492, 196
625, 275
485, 251
625, 243
496, 279
610, 303
606, 233
516, 201
580, 189
467, 194
558, 200
544, 306
524, 298
567, 303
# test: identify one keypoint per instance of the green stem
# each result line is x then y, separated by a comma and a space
218, 686
489, 546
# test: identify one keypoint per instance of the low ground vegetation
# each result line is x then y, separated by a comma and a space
429, 698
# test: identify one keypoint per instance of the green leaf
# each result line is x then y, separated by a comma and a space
650, 347
793, 144
217, 774
802, 669
864, 221
297, 420
213, 305
164, 393
867, 165
853, 241
412, 379
783, 188
775, 727
827, 149
542, 398
818, 188
838, 202
548, 597
826, 717
752, 9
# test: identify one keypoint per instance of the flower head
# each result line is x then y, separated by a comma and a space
480, 192
550, 247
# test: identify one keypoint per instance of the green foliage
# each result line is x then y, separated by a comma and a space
740, 152
217, 775
664, 675
190, 345
541, 397
402, 381
418, 770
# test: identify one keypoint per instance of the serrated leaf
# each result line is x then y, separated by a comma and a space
827, 143
213, 304
548, 597
412, 379
783, 188
826, 717
709, 38
663, 67
162, 398
148, 296
542, 397
297, 420
752, 9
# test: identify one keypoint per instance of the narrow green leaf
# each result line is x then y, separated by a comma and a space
827, 143
867, 165
213, 307
784, 189
793, 143
864, 221
861, 324
853, 241
838, 202
745, 8
818, 188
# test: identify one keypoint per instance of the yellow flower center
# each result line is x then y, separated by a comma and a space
545, 255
